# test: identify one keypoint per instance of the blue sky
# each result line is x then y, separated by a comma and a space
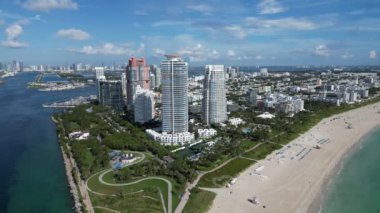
231, 32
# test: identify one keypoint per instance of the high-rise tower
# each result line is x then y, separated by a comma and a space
174, 72
137, 74
214, 104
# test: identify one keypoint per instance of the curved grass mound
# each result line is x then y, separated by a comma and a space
140, 197
220, 177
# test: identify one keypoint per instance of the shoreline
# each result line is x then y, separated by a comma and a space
78, 191
318, 202
70, 179
290, 183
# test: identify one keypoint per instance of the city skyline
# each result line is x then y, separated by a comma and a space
266, 32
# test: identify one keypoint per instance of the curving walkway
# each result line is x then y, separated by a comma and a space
186, 195
104, 172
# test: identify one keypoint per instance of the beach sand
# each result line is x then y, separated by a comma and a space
293, 177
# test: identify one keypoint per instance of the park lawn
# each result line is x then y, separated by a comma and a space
262, 151
247, 144
214, 164
74, 126
95, 185
143, 201
200, 201
220, 177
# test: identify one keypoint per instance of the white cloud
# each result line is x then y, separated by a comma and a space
270, 7
372, 54
141, 48
106, 49
236, 31
347, 56
169, 23
14, 44
48, 5
13, 32
157, 52
284, 23
259, 57
260, 26
213, 54
204, 8
231, 53
322, 50
199, 53
74, 34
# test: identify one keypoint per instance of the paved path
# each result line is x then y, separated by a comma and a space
190, 186
170, 187
104, 172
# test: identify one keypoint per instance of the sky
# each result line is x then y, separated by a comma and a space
230, 32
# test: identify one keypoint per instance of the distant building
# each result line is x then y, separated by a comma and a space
157, 75
253, 96
171, 139
232, 72
236, 121
99, 73
152, 80
264, 72
206, 133
174, 95
214, 103
144, 105
124, 84
319, 82
110, 93
137, 74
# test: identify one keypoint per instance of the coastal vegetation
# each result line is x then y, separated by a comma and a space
220, 177
200, 201
109, 131
234, 150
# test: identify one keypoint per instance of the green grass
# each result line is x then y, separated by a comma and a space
126, 198
146, 185
247, 144
200, 201
146, 201
262, 151
220, 177
74, 126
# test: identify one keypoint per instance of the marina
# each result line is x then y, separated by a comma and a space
72, 102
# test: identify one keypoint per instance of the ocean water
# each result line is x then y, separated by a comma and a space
356, 188
32, 174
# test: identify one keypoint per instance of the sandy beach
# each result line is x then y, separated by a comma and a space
291, 179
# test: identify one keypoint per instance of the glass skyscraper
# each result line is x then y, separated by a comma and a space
174, 72
214, 104
110, 93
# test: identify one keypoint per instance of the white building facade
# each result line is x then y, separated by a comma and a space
144, 105
174, 72
214, 103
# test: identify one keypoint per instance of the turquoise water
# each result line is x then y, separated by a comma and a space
356, 188
32, 174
